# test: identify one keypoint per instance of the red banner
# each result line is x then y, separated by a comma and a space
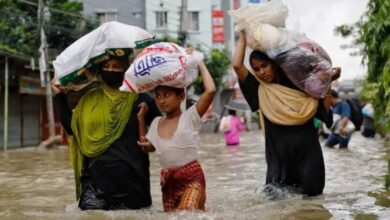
218, 27
236, 4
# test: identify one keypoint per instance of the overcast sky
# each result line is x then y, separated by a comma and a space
318, 18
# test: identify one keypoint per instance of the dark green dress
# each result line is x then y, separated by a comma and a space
119, 177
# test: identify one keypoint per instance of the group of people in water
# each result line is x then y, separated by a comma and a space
111, 133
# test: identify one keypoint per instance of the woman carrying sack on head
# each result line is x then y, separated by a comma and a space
111, 171
293, 152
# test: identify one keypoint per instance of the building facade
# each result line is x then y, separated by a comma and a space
130, 12
163, 18
27, 118
208, 23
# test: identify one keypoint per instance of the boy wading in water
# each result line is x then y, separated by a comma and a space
174, 138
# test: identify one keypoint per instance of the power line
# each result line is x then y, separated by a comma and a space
31, 21
48, 26
53, 9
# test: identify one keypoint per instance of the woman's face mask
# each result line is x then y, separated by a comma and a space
113, 72
112, 78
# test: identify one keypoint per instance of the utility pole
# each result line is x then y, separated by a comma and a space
182, 34
182, 37
6, 78
45, 74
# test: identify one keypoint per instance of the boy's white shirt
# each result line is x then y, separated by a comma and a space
181, 148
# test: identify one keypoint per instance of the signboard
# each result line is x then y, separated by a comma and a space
254, 1
218, 26
31, 85
236, 4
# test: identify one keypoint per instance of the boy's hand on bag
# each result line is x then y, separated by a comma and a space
143, 109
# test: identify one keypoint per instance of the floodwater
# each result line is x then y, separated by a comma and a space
39, 185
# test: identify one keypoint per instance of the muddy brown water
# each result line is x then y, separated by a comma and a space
39, 185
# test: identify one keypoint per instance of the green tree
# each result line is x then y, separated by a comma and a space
372, 35
66, 24
217, 63
19, 24
18, 29
372, 38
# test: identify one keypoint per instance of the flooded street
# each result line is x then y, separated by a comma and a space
39, 185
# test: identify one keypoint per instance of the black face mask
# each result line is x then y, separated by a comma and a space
112, 78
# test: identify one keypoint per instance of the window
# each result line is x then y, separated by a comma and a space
161, 19
193, 20
104, 17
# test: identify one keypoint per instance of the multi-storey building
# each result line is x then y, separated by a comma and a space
126, 11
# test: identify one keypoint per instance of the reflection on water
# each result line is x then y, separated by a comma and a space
39, 185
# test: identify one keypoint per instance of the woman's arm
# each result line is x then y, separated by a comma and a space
238, 58
324, 113
142, 130
145, 145
249, 87
248, 83
64, 109
208, 95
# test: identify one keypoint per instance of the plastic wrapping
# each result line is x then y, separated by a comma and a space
225, 124
305, 63
368, 111
309, 67
76, 66
336, 126
161, 64
272, 12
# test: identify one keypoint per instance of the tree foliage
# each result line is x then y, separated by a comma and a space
374, 34
62, 29
217, 63
372, 37
19, 24
18, 28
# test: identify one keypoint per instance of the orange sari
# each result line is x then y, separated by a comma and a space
183, 188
